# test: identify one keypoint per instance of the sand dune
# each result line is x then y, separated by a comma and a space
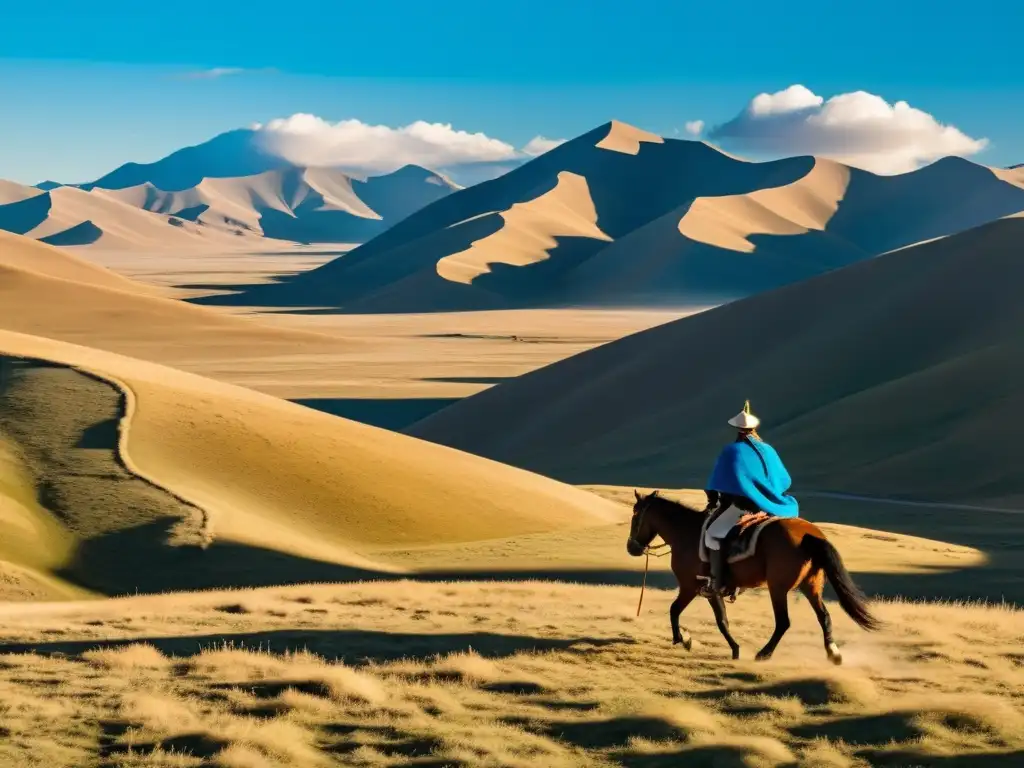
895, 376
212, 477
622, 217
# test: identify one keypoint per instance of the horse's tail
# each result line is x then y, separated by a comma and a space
825, 556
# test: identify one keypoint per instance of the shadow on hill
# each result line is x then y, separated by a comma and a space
140, 560
85, 233
394, 414
352, 645
25, 215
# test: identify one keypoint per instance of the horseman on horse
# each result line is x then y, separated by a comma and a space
775, 547
748, 479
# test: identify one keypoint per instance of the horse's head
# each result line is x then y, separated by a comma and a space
641, 530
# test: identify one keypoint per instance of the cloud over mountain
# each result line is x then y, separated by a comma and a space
309, 140
858, 128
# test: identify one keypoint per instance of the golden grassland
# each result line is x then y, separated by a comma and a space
498, 674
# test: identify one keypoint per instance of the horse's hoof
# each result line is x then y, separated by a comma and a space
735, 654
836, 658
763, 657
686, 642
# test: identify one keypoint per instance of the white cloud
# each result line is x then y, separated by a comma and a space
857, 128
309, 140
538, 145
694, 127
791, 99
306, 139
213, 74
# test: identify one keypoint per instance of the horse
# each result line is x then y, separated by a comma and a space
790, 553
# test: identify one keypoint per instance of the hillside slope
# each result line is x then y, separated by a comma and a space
894, 376
155, 479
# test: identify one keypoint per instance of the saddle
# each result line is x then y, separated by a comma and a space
739, 544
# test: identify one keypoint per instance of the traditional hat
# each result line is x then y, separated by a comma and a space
745, 419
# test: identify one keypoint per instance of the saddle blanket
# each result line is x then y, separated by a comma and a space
741, 541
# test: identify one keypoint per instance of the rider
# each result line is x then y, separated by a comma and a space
751, 470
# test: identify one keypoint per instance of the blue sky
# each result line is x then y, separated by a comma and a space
83, 91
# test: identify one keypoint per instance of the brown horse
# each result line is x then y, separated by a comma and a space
791, 553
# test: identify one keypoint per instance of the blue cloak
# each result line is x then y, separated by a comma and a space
753, 469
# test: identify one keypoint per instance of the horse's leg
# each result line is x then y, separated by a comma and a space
684, 598
722, 618
813, 588
780, 606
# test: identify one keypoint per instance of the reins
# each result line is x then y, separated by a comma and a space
647, 564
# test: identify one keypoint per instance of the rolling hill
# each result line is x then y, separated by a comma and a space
622, 217
130, 476
896, 376
48, 291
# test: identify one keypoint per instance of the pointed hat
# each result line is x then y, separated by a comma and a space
745, 419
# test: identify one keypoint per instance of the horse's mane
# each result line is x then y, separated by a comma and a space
656, 497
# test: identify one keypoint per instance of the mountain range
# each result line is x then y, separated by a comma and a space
212, 193
619, 216
615, 217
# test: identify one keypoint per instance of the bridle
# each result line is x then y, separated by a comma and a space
638, 518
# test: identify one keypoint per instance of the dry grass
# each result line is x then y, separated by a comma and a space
498, 674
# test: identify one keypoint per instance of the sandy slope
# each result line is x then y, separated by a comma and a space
266, 475
528, 231
1013, 175
895, 376
621, 217
22, 253
807, 204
